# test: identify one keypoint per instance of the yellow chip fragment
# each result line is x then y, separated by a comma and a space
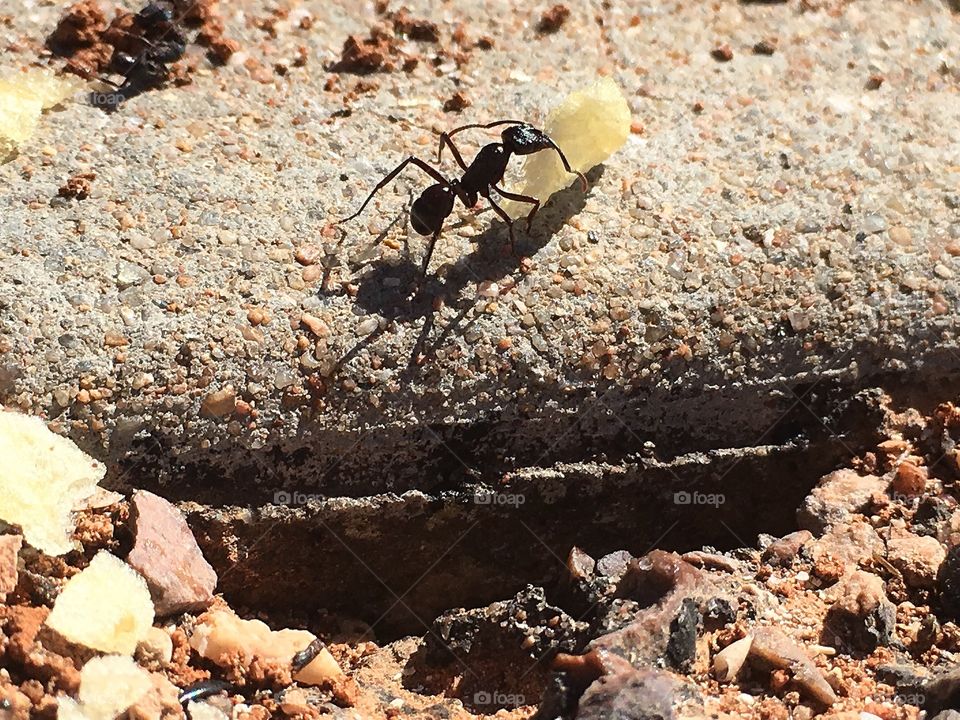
109, 685
23, 96
589, 126
105, 607
43, 477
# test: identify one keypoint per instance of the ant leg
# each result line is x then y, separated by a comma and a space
445, 137
172, 50
507, 219
486, 126
566, 165
392, 174
521, 198
426, 260
445, 140
111, 83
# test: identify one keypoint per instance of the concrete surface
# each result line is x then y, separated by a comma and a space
774, 236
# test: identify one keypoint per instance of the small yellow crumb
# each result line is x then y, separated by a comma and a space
221, 636
109, 685
23, 96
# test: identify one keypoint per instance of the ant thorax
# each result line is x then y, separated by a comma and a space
486, 169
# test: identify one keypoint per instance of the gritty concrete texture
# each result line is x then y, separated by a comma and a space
781, 231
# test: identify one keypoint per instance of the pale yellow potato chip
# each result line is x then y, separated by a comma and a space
589, 126
23, 96
105, 607
43, 477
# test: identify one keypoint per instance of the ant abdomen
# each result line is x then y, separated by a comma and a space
430, 209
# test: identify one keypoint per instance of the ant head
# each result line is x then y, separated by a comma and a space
432, 207
525, 139
153, 14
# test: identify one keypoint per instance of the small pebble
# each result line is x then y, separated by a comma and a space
367, 326
873, 224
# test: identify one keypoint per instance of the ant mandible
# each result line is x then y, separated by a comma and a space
435, 204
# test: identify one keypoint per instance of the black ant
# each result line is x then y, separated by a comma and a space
435, 204
161, 41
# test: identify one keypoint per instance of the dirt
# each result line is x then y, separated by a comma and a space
553, 19
89, 37
517, 620
381, 50
78, 186
457, 102
566, 647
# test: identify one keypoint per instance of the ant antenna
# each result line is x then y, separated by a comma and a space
483, 126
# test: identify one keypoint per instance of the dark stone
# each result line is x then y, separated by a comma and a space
931, 514
682, 645
941, 692
861, 617
947, 715
665, 599
783, 551
466, 633
719, 611
649, 579
948, 583
559, 698
906, 679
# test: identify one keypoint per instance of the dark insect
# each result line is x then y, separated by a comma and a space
307, 655
479, 178
203, 689
159, 41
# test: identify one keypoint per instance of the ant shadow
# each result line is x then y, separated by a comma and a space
389, 289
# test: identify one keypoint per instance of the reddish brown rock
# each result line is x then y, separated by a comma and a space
23, 653
918, 558
80, 26
580, 564
861, 615
845, 545
219, 403
836, 498
675, 596
722, 53
910, 479
9, 550
553, 19
633, 693
160, 701
167, 555
784, 550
